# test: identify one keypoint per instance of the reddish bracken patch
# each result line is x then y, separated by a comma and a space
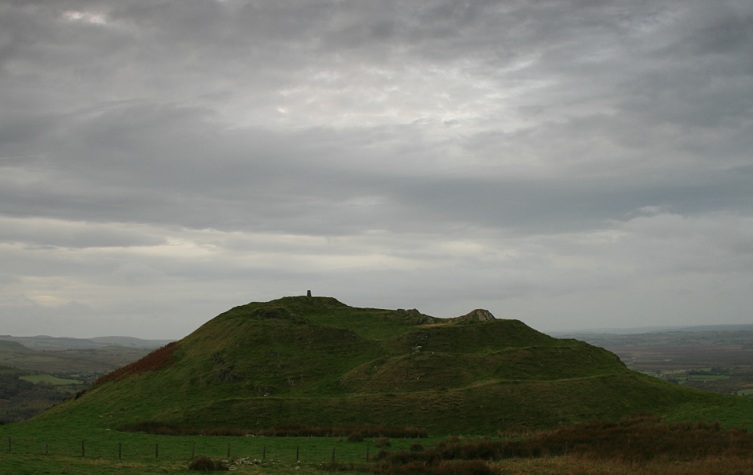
157, 359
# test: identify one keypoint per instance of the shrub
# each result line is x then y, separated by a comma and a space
344, 467
157, 428
206, 464
382, 442
463, 467
414, 467
431, 465
480, 449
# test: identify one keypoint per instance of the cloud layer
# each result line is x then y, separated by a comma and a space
569, 163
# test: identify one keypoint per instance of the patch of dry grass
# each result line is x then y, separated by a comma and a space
576, 465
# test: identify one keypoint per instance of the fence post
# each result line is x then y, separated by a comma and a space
333, 454
120, 450
264, 453
83, 449
297, 453
367, 453
193, 449
156, 451
228, 450
10, 445
46, 447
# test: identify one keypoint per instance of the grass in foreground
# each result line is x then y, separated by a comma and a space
644, 445
32, 449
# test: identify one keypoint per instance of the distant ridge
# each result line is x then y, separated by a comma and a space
731, 327
45, 342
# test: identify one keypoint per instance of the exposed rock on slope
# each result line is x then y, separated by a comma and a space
478, 315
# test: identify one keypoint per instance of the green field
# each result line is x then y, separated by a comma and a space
31, 448
49, 379
627, 447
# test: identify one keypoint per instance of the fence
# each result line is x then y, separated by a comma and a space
143, 447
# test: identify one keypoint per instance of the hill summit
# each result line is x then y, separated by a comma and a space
316, 362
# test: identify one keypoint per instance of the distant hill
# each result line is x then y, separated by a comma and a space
316, 362
44, 342
7, 346
129, 342
627, 332
37, 372
716, 358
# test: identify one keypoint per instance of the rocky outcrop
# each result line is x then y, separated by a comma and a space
478, 315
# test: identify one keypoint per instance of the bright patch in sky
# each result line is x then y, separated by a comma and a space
86, 17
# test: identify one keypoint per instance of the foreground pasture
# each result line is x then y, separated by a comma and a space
643, 445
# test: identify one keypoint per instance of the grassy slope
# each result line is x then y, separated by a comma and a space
317, 362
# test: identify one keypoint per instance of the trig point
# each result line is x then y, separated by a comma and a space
308, 293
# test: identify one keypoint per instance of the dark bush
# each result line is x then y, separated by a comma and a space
434, 466
479, 449
382, 442
206, 464
345, 467
413, 468
463, 467
416, 447
355, 437
157, 428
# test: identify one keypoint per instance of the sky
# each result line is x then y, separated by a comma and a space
574, 164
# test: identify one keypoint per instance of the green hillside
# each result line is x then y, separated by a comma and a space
316, 362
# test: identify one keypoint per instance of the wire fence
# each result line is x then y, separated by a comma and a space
174, 448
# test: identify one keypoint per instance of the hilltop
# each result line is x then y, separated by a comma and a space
316, 362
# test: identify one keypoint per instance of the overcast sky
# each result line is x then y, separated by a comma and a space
573, 164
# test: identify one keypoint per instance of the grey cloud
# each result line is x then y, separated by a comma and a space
719, 30
174, 165
238, 150
71, 235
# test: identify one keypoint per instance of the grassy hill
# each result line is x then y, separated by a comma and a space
316, 362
